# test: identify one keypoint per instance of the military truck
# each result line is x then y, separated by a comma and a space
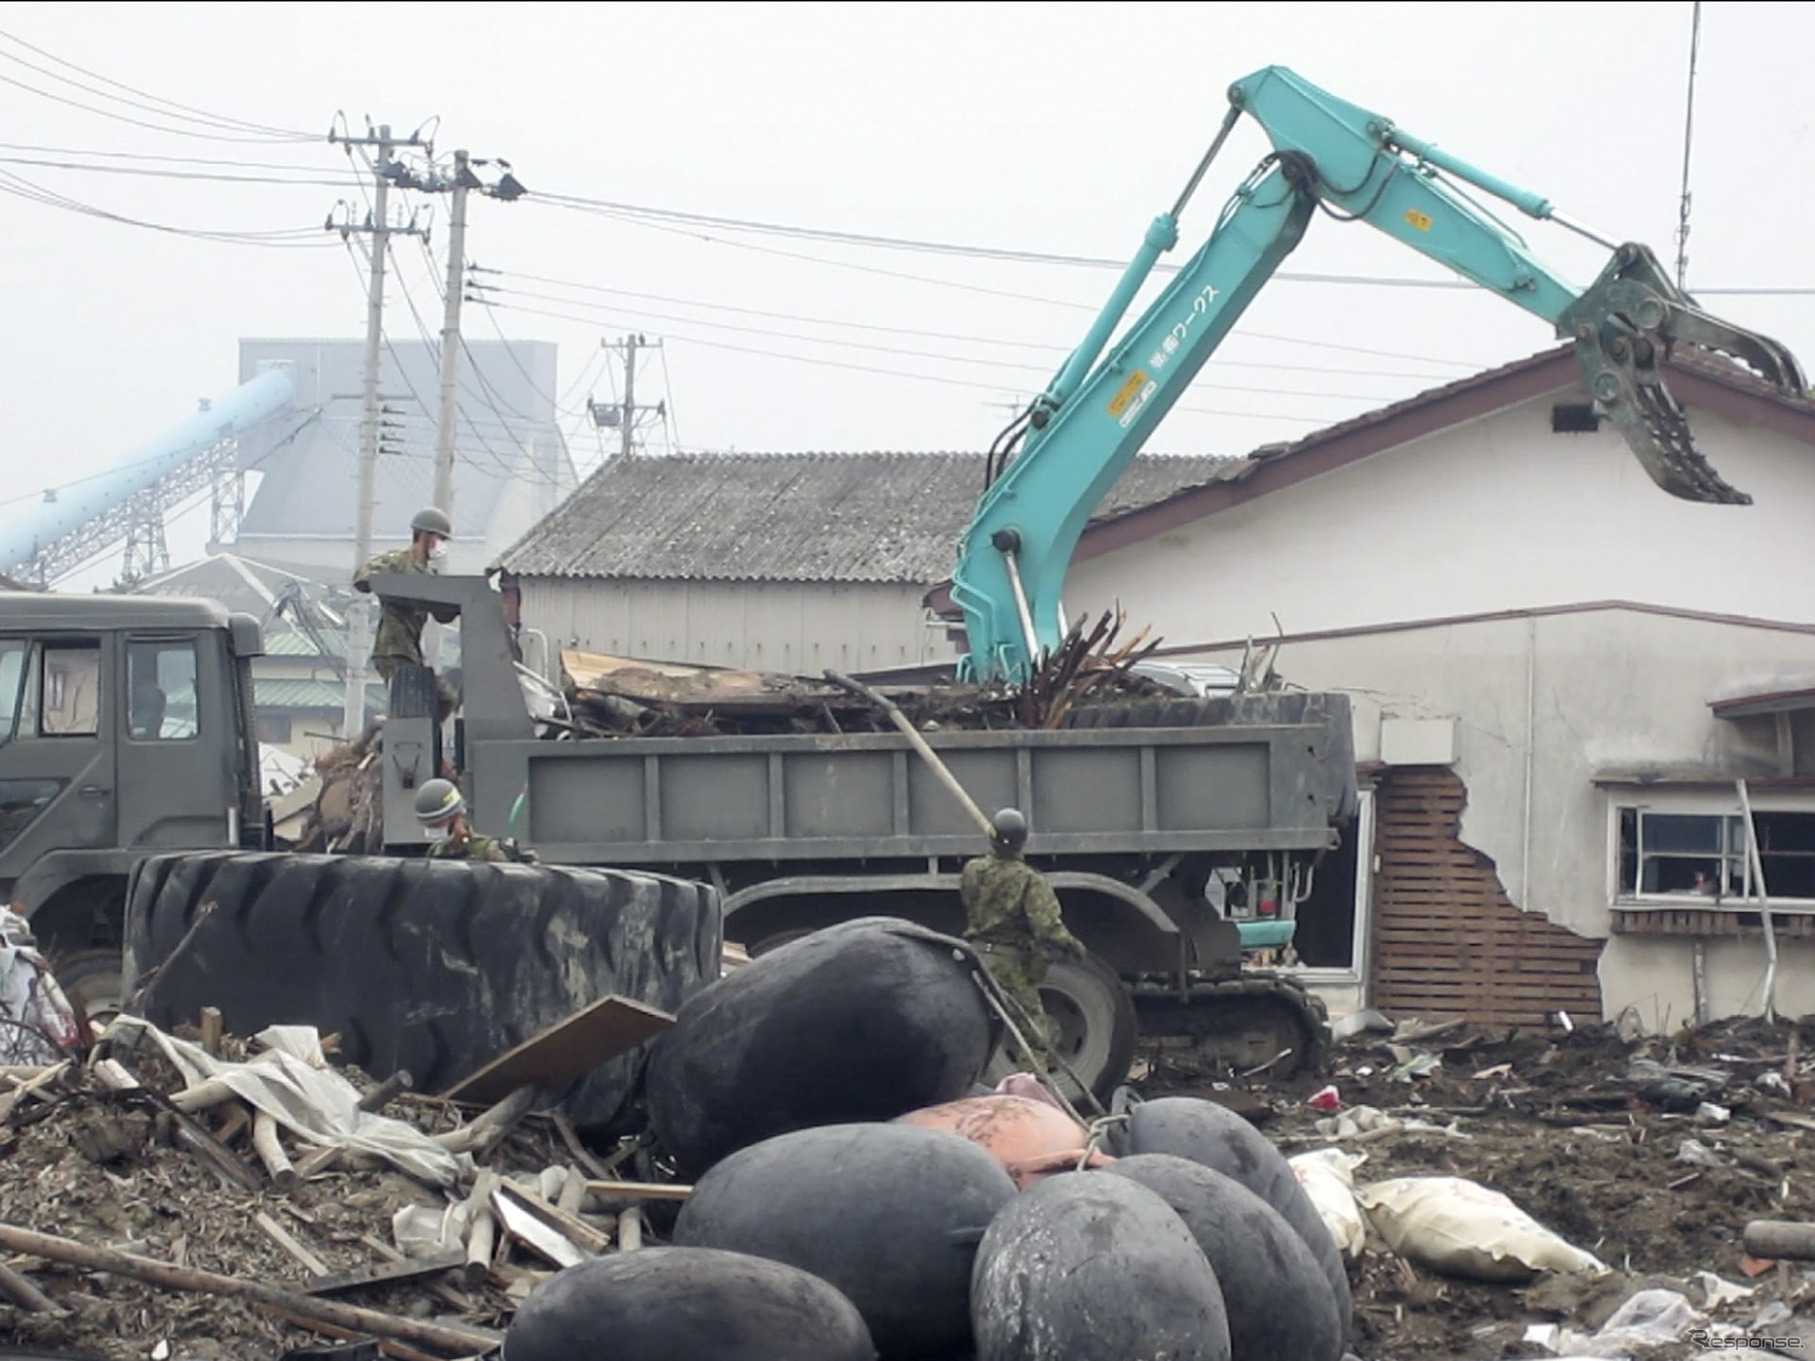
125, 730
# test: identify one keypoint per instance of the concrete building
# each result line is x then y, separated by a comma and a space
779, 562
1558, 671
511, 466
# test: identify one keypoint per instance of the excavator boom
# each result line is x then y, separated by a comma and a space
1098, 411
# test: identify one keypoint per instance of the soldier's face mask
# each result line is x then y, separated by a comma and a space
438, 550
439, 831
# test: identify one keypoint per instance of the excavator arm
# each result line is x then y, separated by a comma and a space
1081, 432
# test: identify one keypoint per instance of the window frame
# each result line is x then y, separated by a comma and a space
1736, 894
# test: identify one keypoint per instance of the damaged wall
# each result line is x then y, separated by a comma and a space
1503, 536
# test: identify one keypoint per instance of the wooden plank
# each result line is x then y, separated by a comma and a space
409, 1269
566, 1050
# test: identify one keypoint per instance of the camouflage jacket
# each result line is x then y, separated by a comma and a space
399, 626
1007, 902
474, 846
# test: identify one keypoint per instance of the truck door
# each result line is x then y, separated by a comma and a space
56, 760
175, 753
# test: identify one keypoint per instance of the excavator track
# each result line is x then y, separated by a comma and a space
1259, 1024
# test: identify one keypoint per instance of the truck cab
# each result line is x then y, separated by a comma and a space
125, 730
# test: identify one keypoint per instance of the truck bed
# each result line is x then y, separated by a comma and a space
1271, 772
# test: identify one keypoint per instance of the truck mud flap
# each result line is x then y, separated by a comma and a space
436, 967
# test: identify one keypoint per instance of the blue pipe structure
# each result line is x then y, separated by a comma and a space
26, 528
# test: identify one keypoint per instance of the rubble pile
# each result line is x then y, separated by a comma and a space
1651, 1154
124, 1219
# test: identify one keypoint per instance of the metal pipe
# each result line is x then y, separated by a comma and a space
1583, 229
1764, 901
1029, 638
1527, 202
1698, 978
1216, 145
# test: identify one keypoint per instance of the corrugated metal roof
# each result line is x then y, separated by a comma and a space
875, 517
281, 693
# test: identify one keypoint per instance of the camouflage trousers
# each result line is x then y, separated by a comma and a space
446, 699
1018, 972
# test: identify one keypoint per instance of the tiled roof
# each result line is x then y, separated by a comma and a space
877, 517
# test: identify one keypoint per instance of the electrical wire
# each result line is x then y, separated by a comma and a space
967, 339
891, 373
1002, 364
144, 100
20, 187
668, 417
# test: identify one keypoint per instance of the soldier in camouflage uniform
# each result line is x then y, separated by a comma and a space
1012, 917
399, 638
442, 810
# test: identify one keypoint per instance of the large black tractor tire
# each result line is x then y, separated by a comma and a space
1096, 1027
434, 966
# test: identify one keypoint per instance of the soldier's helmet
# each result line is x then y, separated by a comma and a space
437, 801
1008, 829
433, 520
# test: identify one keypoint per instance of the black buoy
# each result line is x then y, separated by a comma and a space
1089, 1266
890, 1214
862, 1021
1274, 1291
665, 1304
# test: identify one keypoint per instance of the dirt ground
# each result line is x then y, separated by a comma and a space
1563, 1125
1574, 1127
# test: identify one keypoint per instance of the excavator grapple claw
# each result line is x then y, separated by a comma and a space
1625, 326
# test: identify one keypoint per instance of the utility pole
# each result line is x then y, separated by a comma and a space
623, 415
378, 227
450, 335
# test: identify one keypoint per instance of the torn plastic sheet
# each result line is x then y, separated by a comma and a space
290, 1081
37, 1025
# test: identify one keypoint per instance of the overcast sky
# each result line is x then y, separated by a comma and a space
1040, 128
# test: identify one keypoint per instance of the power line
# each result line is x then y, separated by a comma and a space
621, 318
20, 187
1024, 345
146, 101
896, 373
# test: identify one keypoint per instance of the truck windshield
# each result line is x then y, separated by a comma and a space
12, 685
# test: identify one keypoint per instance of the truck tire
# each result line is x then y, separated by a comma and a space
434, 966
1096, 1026
93, 978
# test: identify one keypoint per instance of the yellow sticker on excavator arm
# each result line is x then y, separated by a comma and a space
1420, 220
1127, 392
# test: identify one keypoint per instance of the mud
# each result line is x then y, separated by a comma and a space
1558, 1123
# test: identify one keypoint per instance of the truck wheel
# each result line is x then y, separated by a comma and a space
93, 978
435, 966
1094, 1017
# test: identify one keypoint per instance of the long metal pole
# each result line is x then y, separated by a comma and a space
630, 393
1764, 900
450, 337
359, 643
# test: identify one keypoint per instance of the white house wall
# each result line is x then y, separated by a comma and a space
1494, 514
773, 626
1502, 515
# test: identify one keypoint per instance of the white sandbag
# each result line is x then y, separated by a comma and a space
1459, 1227
1328, 1176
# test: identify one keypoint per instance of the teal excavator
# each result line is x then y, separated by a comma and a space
1056, 461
